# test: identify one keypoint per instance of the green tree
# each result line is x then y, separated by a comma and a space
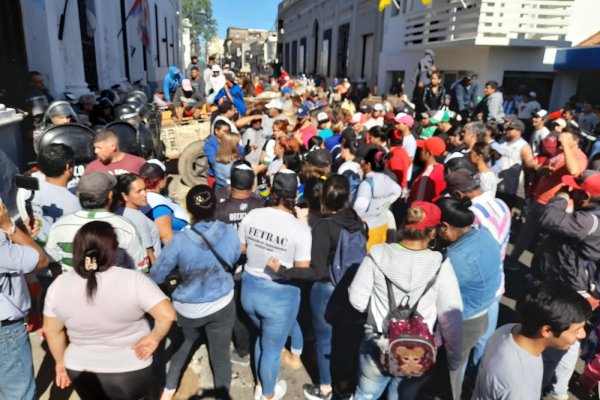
204, 26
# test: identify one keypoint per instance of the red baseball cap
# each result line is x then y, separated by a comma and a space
434, 145
589, 182
432, 217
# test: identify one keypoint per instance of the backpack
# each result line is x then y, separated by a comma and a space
350, 252
354, 181
410, 349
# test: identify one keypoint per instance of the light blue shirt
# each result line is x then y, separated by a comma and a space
15, 262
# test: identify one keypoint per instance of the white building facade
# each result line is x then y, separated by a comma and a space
332, 38
510, 41
96, 50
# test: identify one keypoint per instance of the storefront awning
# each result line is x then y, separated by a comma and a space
578, 58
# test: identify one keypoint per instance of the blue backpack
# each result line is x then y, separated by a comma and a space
350, 251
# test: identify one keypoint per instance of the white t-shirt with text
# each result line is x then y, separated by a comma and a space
269, 232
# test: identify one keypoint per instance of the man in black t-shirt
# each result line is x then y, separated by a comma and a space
232, 206
239, 200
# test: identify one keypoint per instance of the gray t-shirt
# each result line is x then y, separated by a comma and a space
507, 371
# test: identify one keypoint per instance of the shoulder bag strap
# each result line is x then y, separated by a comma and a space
389, 285
223, 263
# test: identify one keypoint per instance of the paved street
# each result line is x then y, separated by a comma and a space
197, 378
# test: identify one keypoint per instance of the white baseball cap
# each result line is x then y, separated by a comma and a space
322, 117
275, 103
378, 107
532, 94
216, 68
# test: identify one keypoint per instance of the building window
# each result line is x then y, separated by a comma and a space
286, 62
326, 53
294, 60
342, 50
302, 67
539, 82
395, 79
157, 34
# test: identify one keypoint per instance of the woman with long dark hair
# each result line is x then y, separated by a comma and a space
273, 235
375, 195
129, 197
204, 298
168, 216
108, 351
475, 256
336, 216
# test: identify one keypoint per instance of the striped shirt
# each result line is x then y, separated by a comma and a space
59, 245
495, 216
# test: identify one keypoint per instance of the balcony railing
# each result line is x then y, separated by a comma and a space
491, 22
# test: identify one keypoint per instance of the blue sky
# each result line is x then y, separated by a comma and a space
257, 14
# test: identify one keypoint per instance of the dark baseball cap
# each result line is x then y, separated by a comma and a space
96, 183
319, 158
366, 109
242, 176
285, 183
514, 124
461, 180
348, 134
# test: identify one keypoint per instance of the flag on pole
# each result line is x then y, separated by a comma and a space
144, 24
135, 9
383, 4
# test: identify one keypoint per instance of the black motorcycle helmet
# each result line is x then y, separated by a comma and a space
126, 112
137, 102
59, 108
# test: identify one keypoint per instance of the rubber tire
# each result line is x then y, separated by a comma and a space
193, 164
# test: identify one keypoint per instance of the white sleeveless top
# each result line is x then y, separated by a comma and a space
511, 153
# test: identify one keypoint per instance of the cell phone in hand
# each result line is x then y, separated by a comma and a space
28, 183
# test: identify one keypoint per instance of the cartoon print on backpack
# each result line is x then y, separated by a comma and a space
411, 360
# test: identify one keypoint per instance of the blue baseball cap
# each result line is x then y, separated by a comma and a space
302, 111
286, 90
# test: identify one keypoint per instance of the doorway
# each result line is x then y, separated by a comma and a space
13, 63
87, 28
316, 46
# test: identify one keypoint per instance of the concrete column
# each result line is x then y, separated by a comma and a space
109, 46
60, 60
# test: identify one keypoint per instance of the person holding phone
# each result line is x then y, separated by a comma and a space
19, 255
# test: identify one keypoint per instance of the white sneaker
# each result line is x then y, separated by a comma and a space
257, 392
280, 389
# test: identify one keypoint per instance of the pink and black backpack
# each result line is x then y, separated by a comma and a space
411, 349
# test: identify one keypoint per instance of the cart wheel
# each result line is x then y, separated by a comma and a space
193, 164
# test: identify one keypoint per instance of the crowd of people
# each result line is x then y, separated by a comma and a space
372, 235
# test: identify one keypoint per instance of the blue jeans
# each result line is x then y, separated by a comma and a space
319, 299
372, 380
297, 338
491, 328
273, 308
16, 363
559, 366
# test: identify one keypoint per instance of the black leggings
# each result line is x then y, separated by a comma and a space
133, 385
